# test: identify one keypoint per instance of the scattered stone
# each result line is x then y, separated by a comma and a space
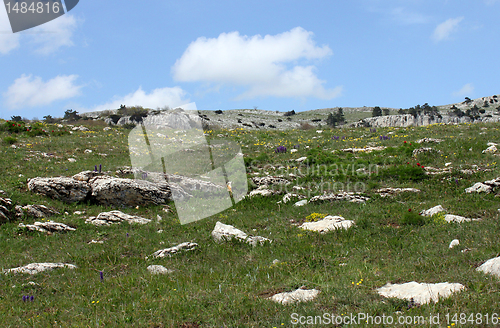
428, 140
491, 150
79, 128
328, 223
72, 160
159, 269
66, 189
269, 180
457, 218
492, 266
349, 196
432, 211
448, 164
293, 150
109, 218
223, 232
87, 151
107, 128
299, 295
479, 187
429, 170
301, 202
86, 175
78, 212
34, 268
424, 150
5, 208
49, 226
301, 159
168, 252
365, 150
37, 211
95, 242
288, 197
263, 191
454, 242
384, 192
421, 293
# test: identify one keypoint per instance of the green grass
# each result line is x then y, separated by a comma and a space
225, 285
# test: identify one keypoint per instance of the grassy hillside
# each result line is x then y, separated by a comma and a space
226, 285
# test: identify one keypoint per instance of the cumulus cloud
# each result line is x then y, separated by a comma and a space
259, 63
444, 29
171, 97
53, 35
465, 91
28, 91
8, 40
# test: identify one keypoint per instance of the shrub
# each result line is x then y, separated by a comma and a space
9, 140
412, 218
306, 126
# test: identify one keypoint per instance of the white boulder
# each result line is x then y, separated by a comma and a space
299, 295
421, 293
492, 266
223, 232
328, 223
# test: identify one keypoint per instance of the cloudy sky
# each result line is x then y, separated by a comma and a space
274, 55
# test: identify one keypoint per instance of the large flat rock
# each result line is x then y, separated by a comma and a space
327, 224
34, 268
492, 266
421, 293
299, 295
66, 189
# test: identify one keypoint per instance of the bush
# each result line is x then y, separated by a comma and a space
9, 140
412, 218
306, 126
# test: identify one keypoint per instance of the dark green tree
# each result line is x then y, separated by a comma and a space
376, 111
71, 115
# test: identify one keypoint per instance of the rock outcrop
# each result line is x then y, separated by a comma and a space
66, 189
224, 232
327, 224
37, 211
34, 268
49, 226
299, 295
344, 195
421, 293
114, 217
169, 252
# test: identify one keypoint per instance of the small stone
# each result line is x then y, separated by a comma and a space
159, 269
327, 224
168, 252
72, 160
223, 232
432, 211
299, 295
492, 266
454, 242
421, 293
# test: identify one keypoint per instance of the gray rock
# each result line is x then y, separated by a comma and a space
421, 293
328, 223
66, 189
432, 211
384, 192
492, 266
128, 192
34, 268
159, 269
349, 196
113, 217
270, 180
49, 226
37, 211
223, 232
457, 218
426, 140
297, 296
5, 208
169, 252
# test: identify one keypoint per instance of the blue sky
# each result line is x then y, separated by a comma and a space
274, 55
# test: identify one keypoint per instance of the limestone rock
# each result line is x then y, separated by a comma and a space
421, 293
301, 159
168, 252
85, 175
66, 189
432, 211
349, 196
492, 266
454, 242
223, 232
159, 269
479, 187
364, 150
328, 223
288, 197
37, 211
49, 226
34, 268
5, 208
457, 218
299, 295
428, 140
269, 180
263, 191
491, 149
424, 150
128, 192
384, 192
109, 218
301, 202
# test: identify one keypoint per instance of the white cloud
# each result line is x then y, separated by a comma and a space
31, 92
172, 97
444, 29
54, 34
465, 91
8, 40
405, 17
257, 62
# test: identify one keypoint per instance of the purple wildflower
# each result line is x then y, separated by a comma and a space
99, 168
32, 298
144, 175
335, 137
280, 149
102, 275
95, 168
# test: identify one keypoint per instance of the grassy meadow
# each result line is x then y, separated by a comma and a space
226, 285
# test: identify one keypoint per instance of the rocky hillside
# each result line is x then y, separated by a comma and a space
486, 110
